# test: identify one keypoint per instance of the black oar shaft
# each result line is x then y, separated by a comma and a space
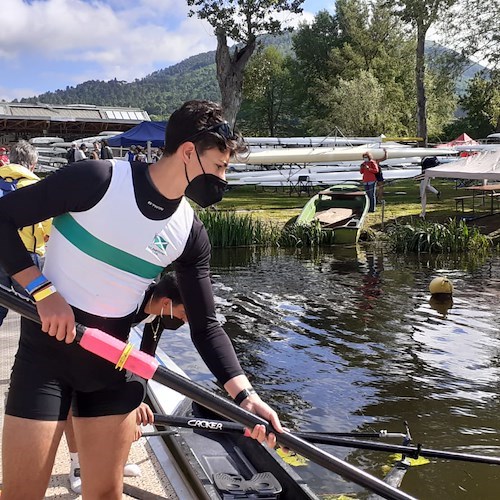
411, 451
209, 424
230, 410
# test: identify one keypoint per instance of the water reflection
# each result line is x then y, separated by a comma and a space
345, 339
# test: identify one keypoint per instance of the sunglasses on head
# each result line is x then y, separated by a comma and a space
221, 128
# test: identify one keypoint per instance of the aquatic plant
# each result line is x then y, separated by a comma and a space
434, 237
228, 228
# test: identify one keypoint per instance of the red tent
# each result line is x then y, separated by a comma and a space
461, 140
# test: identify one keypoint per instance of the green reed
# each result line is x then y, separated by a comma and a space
231, 229
432, 237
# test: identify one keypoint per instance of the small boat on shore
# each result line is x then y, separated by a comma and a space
341, 208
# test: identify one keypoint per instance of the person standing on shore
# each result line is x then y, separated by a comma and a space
369, 169
116, 227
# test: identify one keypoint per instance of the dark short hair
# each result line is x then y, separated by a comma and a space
196, 121
168, 287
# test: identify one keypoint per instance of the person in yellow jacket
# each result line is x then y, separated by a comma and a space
16, 175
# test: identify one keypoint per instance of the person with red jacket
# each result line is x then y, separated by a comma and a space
369, 169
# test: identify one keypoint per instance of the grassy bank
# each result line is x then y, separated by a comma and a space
401, 200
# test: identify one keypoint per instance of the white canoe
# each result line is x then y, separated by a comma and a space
319, 155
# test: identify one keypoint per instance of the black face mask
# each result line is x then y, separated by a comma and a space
205, 189
169, 323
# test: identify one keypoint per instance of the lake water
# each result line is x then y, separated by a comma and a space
348, 340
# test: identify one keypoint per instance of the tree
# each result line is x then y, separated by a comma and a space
421, 15
356, 107
266, 92
472, 27
241, 21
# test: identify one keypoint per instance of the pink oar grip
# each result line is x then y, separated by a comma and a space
111, 348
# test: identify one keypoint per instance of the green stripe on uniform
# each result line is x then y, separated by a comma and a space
92, 246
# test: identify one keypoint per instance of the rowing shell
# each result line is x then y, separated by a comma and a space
319, 155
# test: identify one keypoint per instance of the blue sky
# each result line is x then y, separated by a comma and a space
50, 44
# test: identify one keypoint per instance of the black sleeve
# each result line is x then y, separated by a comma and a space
193, 275
75, 188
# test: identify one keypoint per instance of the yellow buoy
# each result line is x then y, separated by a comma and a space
441, 285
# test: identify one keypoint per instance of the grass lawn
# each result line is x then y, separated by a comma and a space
401, 201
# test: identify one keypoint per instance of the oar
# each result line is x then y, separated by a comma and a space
211, 425
410, 451
208, 424
144, 365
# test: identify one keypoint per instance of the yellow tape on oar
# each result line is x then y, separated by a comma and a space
292, 458
124, 356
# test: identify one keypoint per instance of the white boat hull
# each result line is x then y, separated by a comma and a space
319, 155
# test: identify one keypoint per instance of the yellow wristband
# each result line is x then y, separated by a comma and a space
124, 356
43, 294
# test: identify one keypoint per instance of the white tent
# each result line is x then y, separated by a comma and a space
482, 166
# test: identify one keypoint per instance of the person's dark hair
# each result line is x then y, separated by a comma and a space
23, 153
168, 287
104, 142
202, 123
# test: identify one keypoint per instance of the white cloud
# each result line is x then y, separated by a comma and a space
66, 42
134, 38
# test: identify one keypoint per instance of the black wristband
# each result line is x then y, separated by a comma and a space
241, 396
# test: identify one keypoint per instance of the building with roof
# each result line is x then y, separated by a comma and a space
24, 120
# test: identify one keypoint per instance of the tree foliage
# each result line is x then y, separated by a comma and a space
242, 21
473, 28
266, 107
421, 15
481, 103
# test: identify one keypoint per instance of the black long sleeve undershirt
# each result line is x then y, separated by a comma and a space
81, 186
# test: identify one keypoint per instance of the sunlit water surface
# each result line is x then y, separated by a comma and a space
348, 340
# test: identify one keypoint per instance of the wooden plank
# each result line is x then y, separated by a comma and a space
334, 215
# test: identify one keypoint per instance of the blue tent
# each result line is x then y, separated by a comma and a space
140, 135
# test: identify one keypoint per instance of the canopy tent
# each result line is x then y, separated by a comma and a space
481, 166
461, 140
140, 135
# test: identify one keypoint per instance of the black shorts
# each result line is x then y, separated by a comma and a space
49, 376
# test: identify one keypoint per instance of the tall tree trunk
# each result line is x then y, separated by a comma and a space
230, 69
420, 84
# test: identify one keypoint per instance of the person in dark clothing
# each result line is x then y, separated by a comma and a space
116, 227
106, 152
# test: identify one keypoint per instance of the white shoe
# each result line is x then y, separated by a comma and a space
75, 481
131, 470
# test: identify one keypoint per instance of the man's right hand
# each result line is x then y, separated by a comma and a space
57, 318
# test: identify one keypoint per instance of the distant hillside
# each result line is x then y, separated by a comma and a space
163, 91
159, 93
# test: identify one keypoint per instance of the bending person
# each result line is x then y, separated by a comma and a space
161, 309
425, 183
116, 227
